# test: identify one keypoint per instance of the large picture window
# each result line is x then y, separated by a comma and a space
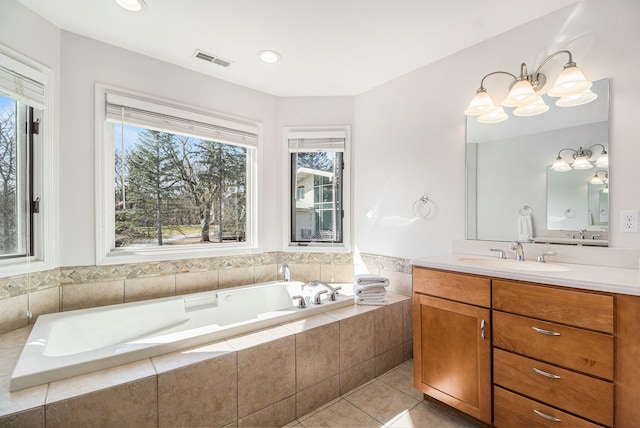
318, 188
182, 180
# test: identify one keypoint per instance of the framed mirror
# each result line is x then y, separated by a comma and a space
509, 175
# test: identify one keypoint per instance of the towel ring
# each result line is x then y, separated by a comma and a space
423, 201
525, 210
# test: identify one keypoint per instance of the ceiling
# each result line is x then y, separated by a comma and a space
328, 47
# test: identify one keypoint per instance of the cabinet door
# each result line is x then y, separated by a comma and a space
452, 354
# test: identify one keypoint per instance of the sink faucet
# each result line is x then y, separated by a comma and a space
284, 270
517, 245
581, 232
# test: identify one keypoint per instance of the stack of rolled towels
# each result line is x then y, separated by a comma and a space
370, 289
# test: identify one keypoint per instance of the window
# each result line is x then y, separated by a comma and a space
318, 188
24, 129
182, 183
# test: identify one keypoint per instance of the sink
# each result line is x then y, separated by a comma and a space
529, 266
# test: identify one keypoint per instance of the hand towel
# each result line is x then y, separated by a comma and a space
525, 229
371, 293
371, 301
369, 278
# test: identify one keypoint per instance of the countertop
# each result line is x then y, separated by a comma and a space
595, 278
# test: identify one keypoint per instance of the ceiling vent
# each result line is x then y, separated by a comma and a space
211, 58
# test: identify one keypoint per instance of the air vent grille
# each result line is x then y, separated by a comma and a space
211, 58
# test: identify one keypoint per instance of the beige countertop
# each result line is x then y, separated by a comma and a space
596, 278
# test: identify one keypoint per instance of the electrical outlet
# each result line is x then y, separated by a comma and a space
629, 221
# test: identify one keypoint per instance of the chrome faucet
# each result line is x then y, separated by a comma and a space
582, 231
517, 245
284, 270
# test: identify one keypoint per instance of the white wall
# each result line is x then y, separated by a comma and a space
411, 131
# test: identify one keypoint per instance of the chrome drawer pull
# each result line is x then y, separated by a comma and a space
547, 417
547, 332
543, 373
482, 329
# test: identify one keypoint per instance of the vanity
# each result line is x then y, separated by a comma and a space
548, 344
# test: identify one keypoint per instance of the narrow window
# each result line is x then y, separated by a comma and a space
317, 187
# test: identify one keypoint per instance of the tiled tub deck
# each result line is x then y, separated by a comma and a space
266, 378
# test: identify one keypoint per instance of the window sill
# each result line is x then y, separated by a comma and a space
141, 255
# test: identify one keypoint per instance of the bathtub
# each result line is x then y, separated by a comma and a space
67, 344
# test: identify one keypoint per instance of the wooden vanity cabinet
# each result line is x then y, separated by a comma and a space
551, 357
452, 340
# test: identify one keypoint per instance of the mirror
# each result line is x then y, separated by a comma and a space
509, 175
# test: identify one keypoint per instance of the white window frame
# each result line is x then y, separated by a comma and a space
338, 131
45, 169
106, 253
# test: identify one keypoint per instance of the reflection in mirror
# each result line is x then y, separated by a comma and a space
508, 167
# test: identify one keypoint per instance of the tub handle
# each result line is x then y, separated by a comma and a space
317, 298
334, 292
302, 303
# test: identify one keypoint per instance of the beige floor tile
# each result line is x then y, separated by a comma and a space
401, 378
428, 415
341, 414
381, 401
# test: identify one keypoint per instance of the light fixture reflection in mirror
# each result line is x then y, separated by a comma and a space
581, 159
571, 88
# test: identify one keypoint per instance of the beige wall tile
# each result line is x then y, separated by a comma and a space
15, 338
388, 327
388, 360
45, 301
201, 394
132, 404
136, 289
33, 418
317, 395
407, 350
234, 277
356, 340
304, 271
193, 282
317, 355
13, 313
357, 375
266, 273
89, 295
399, 282
18, 401
336, 272
276, 415
266, 375
407, 321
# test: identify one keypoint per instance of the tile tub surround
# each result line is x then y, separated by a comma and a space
266, 378
82, 287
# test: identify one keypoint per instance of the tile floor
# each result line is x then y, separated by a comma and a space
388, 401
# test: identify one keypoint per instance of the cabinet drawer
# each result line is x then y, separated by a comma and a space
512, 410
582, 350
581, 309
474, 290
576, 393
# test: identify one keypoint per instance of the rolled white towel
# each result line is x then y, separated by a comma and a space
371, 293
370, 279
371, 301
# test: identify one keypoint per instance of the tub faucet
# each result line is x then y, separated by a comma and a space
284, 270
302, 304
517, 245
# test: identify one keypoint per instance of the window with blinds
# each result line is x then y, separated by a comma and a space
317, 187
181, 178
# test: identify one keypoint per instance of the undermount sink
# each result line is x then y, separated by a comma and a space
515, 265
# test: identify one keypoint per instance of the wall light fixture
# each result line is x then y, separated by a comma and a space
572, 88
581, 159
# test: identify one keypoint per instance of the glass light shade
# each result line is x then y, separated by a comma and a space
578, 99
560, 165
480, 104
538, 107
606, 189
581, 162
603, 160
498, 115
132, 5
570, 81
521, 94
596, 180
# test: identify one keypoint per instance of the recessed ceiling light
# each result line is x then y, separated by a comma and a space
132, 5
269, 56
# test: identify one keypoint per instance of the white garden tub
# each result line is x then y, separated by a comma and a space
67, 344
